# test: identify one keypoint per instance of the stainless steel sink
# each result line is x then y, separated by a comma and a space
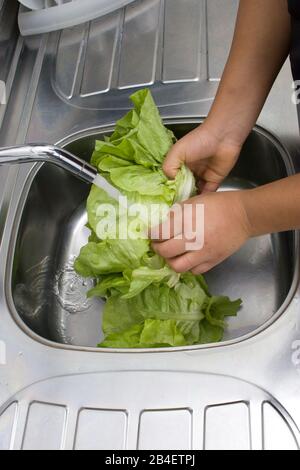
50, 230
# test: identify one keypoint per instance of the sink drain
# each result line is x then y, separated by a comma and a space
71, 289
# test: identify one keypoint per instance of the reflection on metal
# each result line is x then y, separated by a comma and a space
151, 43
33, 295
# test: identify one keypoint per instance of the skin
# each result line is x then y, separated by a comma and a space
211, 151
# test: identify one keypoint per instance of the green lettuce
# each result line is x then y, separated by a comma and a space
148, 305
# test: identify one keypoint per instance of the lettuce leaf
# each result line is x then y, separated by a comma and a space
194, 316
148, 305
150, 334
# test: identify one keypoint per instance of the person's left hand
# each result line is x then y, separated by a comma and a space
226, 229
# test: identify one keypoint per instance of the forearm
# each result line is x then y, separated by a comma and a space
260, 47
274, 207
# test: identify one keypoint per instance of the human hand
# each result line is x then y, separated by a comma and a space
226, 229
209, 155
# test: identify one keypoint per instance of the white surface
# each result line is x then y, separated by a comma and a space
165, 429
6, 426
227, 427
277, 434
44, 427
101, 430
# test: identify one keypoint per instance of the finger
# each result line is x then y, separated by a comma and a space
174, 160
210, 187
212, 180
206, 187
202, 268
172, 227
184, 263
200, 185
171, 248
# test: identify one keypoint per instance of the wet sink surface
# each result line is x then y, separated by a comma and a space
51, 299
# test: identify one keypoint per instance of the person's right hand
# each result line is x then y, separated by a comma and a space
209, 156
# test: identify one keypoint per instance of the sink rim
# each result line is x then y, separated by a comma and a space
22, 198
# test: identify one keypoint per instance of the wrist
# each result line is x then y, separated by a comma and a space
225, 131
257, 223
273, 208
239, 206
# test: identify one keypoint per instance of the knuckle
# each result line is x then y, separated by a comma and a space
183, 263
204, 268
166, 165
196, 270
162, 250
156, 247
177, 266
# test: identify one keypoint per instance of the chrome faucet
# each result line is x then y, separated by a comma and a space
48, 154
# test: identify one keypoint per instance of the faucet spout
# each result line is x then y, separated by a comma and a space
48, 154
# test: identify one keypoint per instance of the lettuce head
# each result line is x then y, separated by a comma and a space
148, 305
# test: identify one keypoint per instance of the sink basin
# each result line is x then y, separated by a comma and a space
50, 299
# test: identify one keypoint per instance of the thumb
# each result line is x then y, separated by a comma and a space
211, 180
207, 186
174, 160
